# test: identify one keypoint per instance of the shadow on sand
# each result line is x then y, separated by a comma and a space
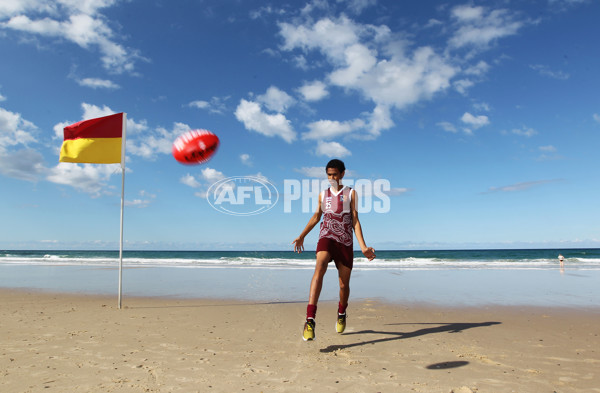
447, 365
444, 328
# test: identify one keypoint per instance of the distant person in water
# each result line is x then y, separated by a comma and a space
561, 259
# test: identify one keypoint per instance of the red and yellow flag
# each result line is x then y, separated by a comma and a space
94, 141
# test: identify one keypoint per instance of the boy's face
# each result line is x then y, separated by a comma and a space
334, 175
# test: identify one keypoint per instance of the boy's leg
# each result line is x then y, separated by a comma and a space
323, 258
344, 277
316, 284
344, 273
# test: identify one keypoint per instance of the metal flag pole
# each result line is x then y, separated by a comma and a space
122, 207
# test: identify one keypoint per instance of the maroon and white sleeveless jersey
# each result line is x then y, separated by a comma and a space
337, 217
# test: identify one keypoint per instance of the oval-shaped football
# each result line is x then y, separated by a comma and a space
195, 147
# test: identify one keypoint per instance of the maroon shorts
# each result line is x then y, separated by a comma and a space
339, 252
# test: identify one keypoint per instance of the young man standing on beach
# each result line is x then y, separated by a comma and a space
338, 206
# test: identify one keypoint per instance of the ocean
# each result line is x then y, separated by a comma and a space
577, 259
448, 278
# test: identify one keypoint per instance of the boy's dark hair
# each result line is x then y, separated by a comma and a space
336, 164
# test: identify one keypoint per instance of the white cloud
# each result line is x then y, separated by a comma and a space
525, 131
318, 5
2, 98
208, 176
549, 154
329, 36
276, 100
548, 149
138, 203
481, 106
14, 129
462, 85
401, 82
212, 175
215, 105
96, 83
332, 149
312, 172
141, 203
91, 179
357, 56
446, 126
520, 186
264, 11
546, 71
144, 193
135, 128
251, 114
562, 5
199, 104
24, 164
190, 181
260, 176
79, 22
478, 69
389, 70
467, 13
313, 91
246, 159
479, 27
357, 6
475, 121
596, 117
395, 191
380, 119
474, 74
358, 61
329, 129
16, 161
433, 22
12, 8
158, 141
91, 111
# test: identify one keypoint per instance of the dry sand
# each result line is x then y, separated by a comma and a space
74, 343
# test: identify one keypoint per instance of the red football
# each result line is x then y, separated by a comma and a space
195, 147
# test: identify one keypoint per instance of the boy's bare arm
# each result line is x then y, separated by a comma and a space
314, 220
368, 252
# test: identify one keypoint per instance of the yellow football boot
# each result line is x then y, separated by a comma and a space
309, 330
340, 326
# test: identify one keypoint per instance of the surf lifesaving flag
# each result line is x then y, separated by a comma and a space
94, 141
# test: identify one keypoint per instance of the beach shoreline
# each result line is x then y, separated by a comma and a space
82, 342
442, 287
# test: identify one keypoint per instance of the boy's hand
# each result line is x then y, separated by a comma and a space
369, 252
298, 245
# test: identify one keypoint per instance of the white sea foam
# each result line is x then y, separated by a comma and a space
410, 263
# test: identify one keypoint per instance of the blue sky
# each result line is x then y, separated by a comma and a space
483, 116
